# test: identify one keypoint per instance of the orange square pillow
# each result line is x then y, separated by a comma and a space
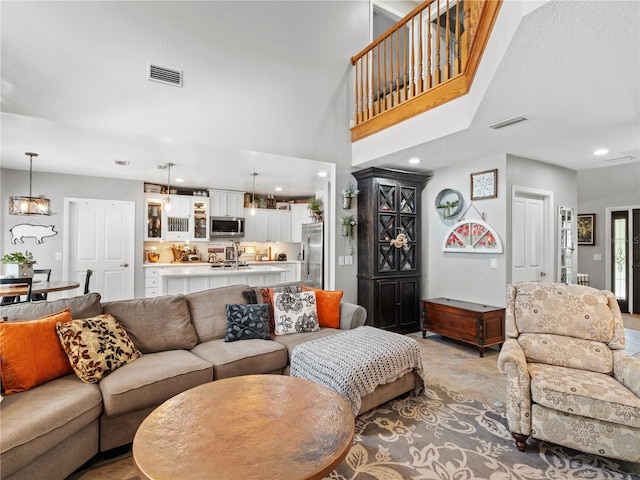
328, 306
31, 353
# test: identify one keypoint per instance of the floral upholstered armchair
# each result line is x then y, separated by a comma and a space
567, 380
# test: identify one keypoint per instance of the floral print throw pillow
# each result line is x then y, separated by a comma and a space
96, 346
295, 312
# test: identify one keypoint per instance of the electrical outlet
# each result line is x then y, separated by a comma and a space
340, 260
348, 260
494, 263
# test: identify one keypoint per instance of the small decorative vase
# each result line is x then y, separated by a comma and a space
346, 202
19, 270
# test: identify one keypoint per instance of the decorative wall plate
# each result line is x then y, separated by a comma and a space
472, 236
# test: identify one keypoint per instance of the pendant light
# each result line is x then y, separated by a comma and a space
253, 194
19, 205
167, 199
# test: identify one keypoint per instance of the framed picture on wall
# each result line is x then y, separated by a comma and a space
484, 184
587, 229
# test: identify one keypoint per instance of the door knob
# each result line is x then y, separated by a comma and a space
542, 274
124, 265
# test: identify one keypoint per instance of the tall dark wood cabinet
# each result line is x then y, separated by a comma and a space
389, 276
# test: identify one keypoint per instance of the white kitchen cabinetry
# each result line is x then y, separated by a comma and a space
154, 211
179, 216
200, 227
226, 203
151, 282
299, 216
268, 225
293, 273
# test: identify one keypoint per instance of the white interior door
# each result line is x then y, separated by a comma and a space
530, 261
99, 235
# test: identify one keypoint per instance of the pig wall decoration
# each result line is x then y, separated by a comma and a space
39, 232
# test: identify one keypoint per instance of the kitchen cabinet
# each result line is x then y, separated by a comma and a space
267, 225
299, 216
178, 218
187, 219
154, 209
200, 227
226, 203
389, 269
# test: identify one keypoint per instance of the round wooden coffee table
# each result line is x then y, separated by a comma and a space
250, 427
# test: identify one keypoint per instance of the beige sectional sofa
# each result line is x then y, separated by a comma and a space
53, 429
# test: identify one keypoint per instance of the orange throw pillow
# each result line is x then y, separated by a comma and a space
328, 306
31, 353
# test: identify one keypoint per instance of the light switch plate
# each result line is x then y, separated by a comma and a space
340, 260
494, 263
58, 255
597, 257
348, 260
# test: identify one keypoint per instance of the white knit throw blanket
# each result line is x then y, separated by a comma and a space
353, 363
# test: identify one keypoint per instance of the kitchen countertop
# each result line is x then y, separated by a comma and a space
207, 264
201, 272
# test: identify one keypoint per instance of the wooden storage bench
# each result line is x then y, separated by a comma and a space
474, 323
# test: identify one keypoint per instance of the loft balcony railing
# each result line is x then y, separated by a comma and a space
426, 59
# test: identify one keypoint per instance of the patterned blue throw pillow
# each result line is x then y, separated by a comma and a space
245, 322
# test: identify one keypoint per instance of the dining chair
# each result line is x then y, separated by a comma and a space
41, 271
16, 298
86, 281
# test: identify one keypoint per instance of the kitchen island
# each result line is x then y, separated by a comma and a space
172, 279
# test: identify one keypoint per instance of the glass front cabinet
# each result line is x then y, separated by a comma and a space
389, 264
566, 220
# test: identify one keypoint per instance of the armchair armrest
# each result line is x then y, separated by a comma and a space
351, 315
513, 363
626, 370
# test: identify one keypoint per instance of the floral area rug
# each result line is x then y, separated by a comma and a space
442, 435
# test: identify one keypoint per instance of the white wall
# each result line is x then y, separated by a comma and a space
56, 187
561, 181
599, 188
463, 276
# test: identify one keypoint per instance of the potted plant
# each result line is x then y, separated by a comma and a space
19, 265
348, 223
348, 193
315, 207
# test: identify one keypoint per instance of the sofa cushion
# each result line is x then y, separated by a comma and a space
208, 310
590, 394
295, 312
156, 324
246, 322
83, 306
292, 341
328, 306
31, 353
35, 421
152, 379
96, 346
242, 358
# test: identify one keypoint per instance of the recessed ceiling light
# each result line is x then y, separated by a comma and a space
121, 163
322, 174
278, 189
179, 180
414, 160
600, 151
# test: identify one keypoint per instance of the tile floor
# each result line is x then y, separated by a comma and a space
452, 364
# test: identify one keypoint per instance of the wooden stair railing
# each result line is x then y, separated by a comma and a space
426, 59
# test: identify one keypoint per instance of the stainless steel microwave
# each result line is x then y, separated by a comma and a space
226, 227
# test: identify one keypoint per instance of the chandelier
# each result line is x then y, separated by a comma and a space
19, 205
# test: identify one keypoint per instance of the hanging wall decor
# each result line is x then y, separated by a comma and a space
472, 236
26, 230
484, 184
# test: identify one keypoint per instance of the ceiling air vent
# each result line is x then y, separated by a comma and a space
508, 121
164, 75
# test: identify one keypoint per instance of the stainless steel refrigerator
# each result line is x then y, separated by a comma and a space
313, 254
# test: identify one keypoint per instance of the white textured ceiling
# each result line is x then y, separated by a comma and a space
73, 90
